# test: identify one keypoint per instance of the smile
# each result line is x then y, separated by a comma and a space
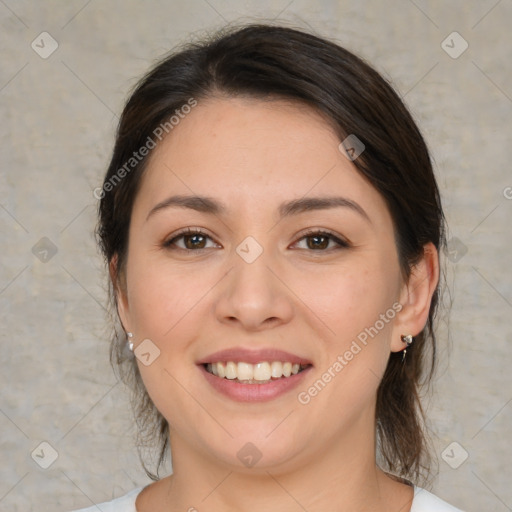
259, 373
244, 374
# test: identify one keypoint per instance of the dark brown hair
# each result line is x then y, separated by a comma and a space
268, 62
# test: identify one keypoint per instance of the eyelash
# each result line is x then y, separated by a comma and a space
342, 244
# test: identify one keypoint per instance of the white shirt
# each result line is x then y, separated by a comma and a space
423, 501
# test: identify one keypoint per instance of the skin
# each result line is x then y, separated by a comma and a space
253, 155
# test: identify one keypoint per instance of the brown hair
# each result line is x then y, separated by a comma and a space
267, 61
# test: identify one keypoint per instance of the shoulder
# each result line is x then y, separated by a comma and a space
424, 501
125, 503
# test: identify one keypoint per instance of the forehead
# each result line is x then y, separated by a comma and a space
253, 154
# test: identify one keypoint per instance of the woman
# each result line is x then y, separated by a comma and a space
272, 227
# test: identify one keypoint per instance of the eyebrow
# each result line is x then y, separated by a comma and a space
211, 206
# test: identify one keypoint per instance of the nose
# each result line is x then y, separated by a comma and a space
254, 296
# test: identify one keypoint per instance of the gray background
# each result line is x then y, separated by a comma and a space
58, 118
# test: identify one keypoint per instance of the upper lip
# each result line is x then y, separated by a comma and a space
252, 356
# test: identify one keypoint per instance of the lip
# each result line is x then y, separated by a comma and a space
254, 392
244, 355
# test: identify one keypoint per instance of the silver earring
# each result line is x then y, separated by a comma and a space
129, 341
407, 339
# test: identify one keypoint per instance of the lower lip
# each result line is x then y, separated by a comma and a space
254, 392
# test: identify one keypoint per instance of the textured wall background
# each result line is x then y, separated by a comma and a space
59, 111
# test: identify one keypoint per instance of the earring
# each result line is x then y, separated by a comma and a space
406, 338
129, 341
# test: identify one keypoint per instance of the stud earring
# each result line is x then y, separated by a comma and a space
407, 339
129, 341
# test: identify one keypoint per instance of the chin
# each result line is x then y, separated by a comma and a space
258, 451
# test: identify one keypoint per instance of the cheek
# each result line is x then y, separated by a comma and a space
161, 295
356, 305
354, 359
349, 300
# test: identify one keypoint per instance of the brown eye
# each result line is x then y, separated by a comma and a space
192, 240
320, 240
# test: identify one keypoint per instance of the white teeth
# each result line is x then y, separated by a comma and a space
221, 370
260, 372
276, 369
231, 372
245, 371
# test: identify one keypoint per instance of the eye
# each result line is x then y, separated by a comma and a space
320, 241
193, 239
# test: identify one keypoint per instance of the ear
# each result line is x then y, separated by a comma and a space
416, 297
119, 286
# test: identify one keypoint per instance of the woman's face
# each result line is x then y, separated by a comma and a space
258, 280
